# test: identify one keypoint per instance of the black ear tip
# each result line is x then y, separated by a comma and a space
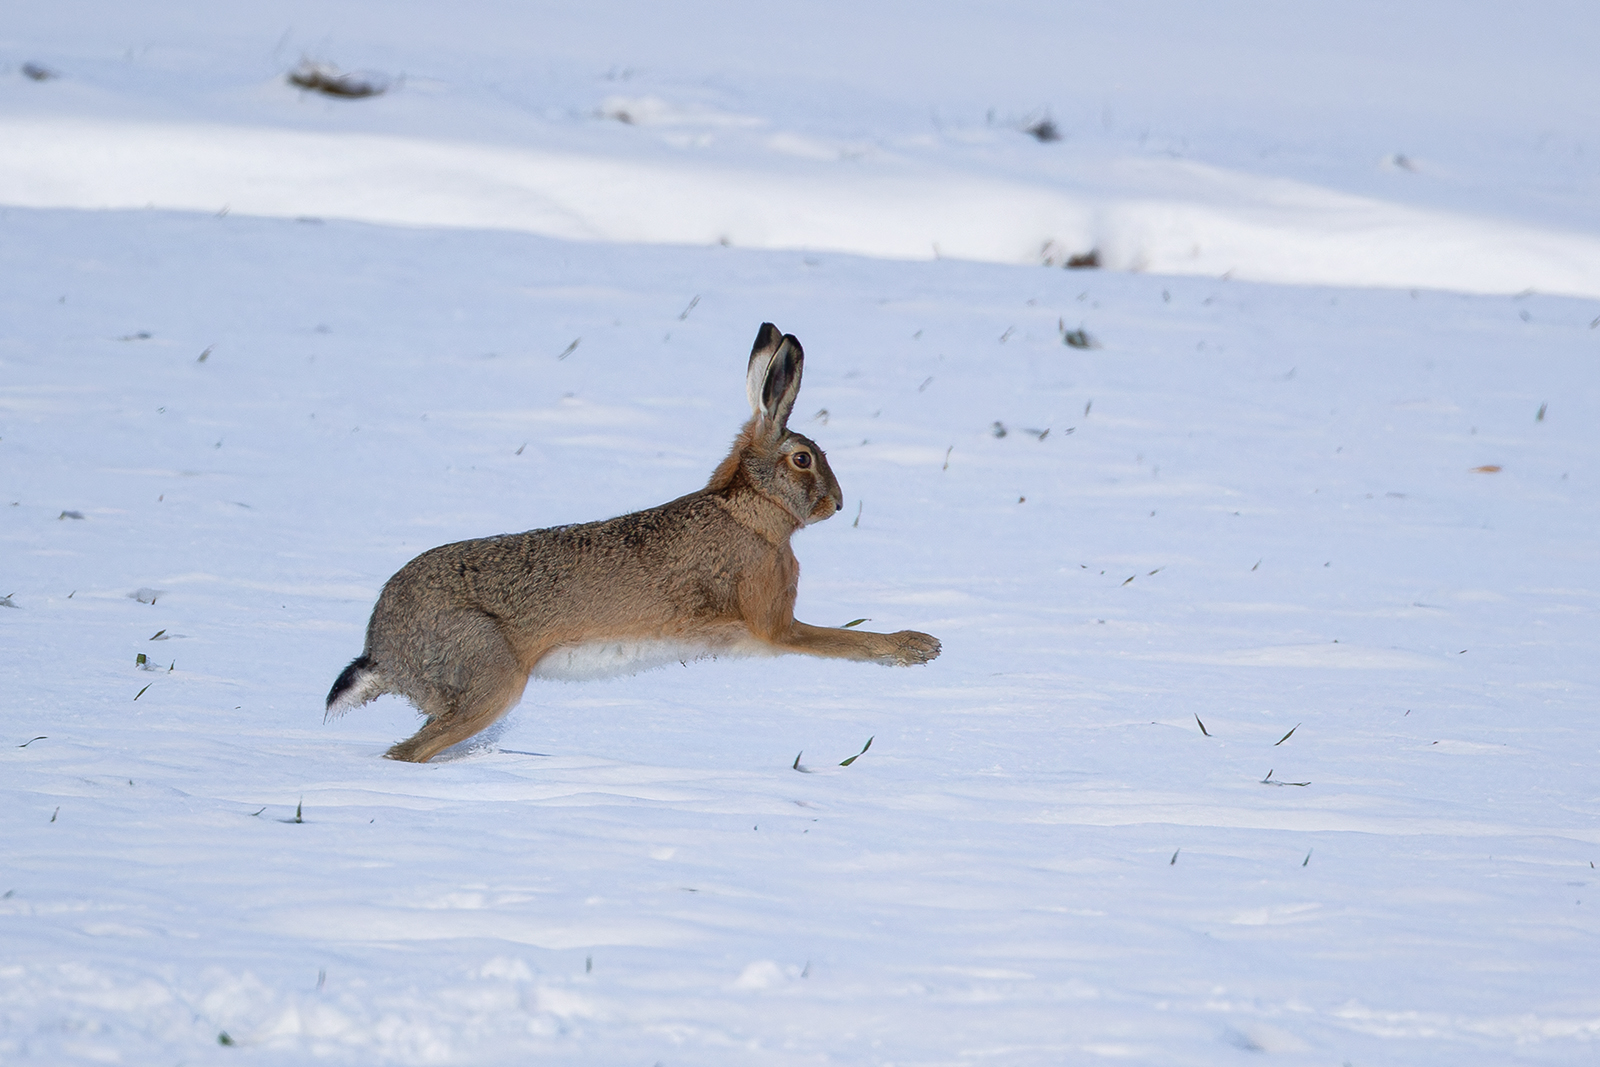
767, 337
794, 342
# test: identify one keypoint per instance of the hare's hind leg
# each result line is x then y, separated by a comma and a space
493, 681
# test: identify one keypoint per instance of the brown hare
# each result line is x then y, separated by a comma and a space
459, 630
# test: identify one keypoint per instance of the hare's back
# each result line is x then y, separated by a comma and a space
590, 600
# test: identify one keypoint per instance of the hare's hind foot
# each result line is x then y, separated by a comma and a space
493, 688
477, 710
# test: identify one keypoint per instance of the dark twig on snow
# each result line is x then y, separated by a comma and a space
326, 78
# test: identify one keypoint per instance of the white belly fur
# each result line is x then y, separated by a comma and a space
607, 659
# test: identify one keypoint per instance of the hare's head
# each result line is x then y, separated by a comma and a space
776, 462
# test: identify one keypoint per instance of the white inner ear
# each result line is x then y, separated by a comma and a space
756, 379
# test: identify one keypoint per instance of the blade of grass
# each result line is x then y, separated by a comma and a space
858, 755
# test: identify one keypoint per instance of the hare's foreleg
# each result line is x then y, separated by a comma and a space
766, 603
905, 648
493, 683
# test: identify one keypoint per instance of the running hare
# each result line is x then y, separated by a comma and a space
460, 628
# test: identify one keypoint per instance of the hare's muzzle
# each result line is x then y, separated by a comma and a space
828, 506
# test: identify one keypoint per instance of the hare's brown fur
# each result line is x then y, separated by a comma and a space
459, 629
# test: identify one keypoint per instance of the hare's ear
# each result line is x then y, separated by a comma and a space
773, 379
768, 339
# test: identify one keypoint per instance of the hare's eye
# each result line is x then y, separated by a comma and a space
801, 459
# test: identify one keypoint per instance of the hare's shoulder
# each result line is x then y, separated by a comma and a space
697, 509
673, 518
671, 528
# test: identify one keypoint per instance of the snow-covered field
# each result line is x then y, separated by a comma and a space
1325, 483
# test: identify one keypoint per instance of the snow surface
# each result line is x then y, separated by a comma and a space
1362, 510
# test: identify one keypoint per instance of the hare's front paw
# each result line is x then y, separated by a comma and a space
911, 647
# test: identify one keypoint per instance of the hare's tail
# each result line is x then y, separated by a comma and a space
356, 684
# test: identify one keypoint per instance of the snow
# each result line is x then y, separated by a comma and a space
1347, 491
1164, 216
